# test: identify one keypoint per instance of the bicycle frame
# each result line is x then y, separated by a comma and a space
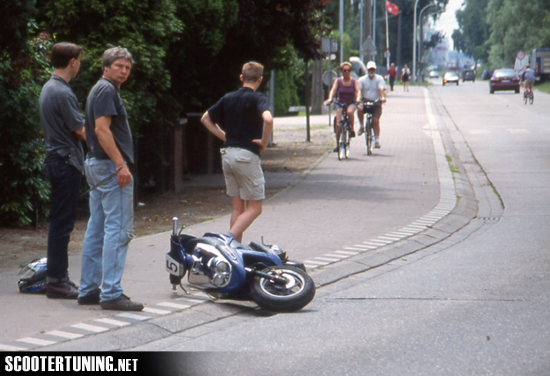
342, 133
369, 132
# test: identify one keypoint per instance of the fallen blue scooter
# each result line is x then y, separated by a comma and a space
225, 268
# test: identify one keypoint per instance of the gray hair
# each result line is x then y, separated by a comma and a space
116, 53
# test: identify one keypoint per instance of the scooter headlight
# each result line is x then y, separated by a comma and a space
220, 272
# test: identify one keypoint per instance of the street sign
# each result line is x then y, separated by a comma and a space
387, 54
368, 47
329, 77
521, 62
329, 45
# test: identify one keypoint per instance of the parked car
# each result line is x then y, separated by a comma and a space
450, 77
486, 75
434, 74
504, 79
468, 75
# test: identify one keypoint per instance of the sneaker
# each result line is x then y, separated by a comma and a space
351, 134
122, 303
90, 299
62, 290
377, 144
361, 131
335, 150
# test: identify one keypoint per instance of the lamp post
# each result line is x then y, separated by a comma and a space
414, 37
414, 43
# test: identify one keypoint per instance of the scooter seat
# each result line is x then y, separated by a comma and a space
260, 247
191, 244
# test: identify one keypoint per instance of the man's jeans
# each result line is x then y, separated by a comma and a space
109, 231
65, 182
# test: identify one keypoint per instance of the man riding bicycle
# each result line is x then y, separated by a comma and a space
528, 79
372, 87
345, 89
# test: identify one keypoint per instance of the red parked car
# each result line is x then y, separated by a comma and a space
504, 79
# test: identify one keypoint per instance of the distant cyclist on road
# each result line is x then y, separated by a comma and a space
345, 89
528, 78
372, 87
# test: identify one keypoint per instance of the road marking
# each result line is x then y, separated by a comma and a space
12, 348
375, 243
391, 238
335, 255
518, 130
112, 322
316, 262
157, 311
327, 259
90, 328
36, 341
62, 334
355, 248
400, 232
346, 252
173, 305
134, 316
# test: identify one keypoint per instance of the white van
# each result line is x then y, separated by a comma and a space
358, 69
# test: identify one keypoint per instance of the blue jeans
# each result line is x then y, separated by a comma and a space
65, 182
109, 231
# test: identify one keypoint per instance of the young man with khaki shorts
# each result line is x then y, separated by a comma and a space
245, 116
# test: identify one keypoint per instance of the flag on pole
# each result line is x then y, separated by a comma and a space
392, 8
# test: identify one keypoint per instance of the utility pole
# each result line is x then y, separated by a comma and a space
398, 57
367, 26
308, 135
317, 88
361, 56
341, 31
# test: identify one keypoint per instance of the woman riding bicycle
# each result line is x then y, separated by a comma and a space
528, 78
346, 90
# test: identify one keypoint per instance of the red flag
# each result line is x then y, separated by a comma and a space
392, 8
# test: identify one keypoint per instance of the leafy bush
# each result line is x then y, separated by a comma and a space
23, 187
285, 92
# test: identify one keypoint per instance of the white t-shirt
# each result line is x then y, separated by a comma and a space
370, 88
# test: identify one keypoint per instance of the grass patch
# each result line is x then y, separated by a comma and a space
545, 87
452, 167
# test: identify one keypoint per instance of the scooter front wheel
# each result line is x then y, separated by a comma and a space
292, 296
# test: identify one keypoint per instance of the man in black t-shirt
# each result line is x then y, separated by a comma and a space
245, 116
64, 131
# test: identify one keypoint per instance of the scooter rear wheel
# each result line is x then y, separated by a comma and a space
294, 295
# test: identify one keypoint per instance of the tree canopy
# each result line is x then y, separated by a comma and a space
23, 71
495, 30
187, 54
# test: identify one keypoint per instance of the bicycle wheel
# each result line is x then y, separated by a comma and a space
338, 141
524, 98
348, 142
337, 134
368, 135
343, 141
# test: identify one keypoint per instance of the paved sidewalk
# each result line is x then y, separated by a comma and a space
336, 210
